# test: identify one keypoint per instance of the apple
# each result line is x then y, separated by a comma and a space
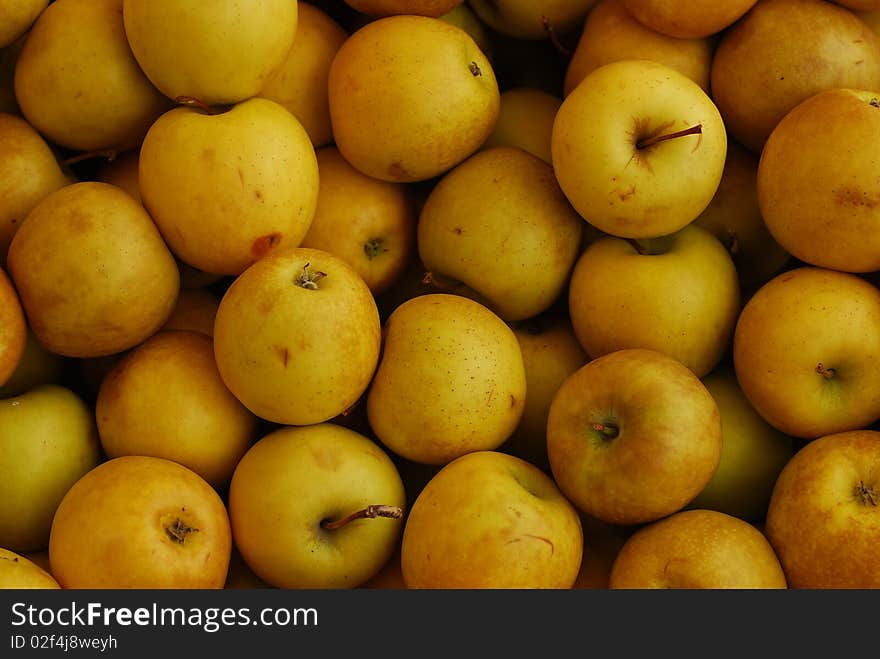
781, 53
13, 329
491, 520
37, 366
638, 149
525, 120
697, 549
140, 522
817, 186
823, 519
48, 440
450, 381
693, 20
676, 294
398, 122
532, 19
297, 337
18, 572
633, 436
804, 350
18, 17
611, 33
316, 507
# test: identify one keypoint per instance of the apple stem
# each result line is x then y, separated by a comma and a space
309, 280
654, 139
430, 279
866, 494
109, 154
554, 38
637, 246
193, 102
607, 430
732, 242
370, 512
179, 530
826, 373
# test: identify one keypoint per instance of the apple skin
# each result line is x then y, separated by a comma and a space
804, 351
629, 190
702, 549
657, 445
681, 297
13, 329
19, 572
823, 519
491, 520
817, 185
702, 18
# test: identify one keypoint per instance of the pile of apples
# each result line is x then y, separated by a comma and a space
439, 294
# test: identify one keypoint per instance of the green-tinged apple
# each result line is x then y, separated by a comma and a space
532, 19
824, 519
297, 337
734, 216
368, 223
19, 572
451, 380
18, 16
688, 20
165, 398
752, 454
398, 122
13, 329
781, 53
77, 82
140, 522
697, 549
638, 149
300, 83
677, 294
550, 352
491, 520
525, 120
218, 52
316, 507
611, 34
226, 189
48, 440
92, 271
499, 223
804, 350
29, 172
817, 184
633, 436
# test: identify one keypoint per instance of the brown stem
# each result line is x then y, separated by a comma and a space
866, 494
430, 279
109, 154
193, 102
308, 279
637, 246
733, 242
554, 38
826, 373
654, 139
370, 512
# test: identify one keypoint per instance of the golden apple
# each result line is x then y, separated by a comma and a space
688, 20
140, 522
13, 329
804, 350
37, 366
450, 381
398, 122
638, 149
697, 549
16, 18
823, 519
18, 572
491, 520
633, 436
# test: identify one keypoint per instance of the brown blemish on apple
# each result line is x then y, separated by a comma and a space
474, 68
240, 176
847, 195
512, 401
457, 231
397, 170
534, 537
623, 195
264, 244
258, 194
283, 354
7, 558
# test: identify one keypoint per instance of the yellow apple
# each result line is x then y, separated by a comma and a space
48, 440
781, 53
297, 337
702, 549
638, 149
450, 381
219, 52
19, 572
370, 224
804, 350
824, 519
16, 18
300, 83
688, 20
524, 19
398, 122
752, 454
92, 271
491, 520
633, 436
611, 34
13, 329
77, 82
817, 187
316, 507
525, 120
226, 189
499, 224
678, 294
140, 522
165, 398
